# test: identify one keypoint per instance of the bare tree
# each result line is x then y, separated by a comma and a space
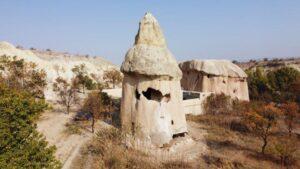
67, 92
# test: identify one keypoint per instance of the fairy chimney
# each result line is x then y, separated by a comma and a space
151, 102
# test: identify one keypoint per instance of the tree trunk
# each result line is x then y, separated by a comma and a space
68, 109
264, 146
290, 131
93, 123
114, 84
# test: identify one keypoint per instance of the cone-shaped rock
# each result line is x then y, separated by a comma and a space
150, 49
151, 104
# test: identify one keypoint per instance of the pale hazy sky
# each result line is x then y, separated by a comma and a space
194, 29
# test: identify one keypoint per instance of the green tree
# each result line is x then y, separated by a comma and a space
283, 78
259, 88
82, 77
281, 81
21, 146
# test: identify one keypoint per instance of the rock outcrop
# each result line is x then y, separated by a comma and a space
217, 76
151, 102
150, 55
57, 64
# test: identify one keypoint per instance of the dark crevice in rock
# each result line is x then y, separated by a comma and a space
137, 94
152, 94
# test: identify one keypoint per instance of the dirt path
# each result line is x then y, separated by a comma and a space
52, 125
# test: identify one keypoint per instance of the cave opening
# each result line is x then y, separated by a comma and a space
153, 94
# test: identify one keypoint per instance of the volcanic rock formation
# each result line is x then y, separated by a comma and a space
216, 76
152, 98
57, 63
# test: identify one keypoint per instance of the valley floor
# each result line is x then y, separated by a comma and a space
53, 125
207, 145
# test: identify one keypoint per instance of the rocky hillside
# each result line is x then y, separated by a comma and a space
57, 63
270, 64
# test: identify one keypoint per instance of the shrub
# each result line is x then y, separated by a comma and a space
286, 148
73, 128
217, 104
238, 125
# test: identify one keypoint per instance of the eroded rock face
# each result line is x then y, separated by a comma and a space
151, 103
56, 64
217, 76
223, 68
150, 49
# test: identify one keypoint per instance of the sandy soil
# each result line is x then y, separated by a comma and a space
52, 125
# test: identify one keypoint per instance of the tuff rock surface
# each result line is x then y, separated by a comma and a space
149, 49
57, 64
151, 105
214, 67
216, 76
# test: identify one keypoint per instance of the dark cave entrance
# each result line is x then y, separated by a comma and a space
153, 94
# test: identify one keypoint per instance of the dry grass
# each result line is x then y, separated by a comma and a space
234, 149
73, 128
107, 150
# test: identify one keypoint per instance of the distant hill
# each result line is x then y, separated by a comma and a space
270, 64
58, 63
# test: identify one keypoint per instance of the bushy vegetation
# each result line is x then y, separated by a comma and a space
18, 74
21, 103
258, 129
217, 104
108, 150
82, 78
275, 86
